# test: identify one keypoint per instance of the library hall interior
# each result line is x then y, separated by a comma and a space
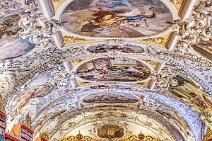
105, 70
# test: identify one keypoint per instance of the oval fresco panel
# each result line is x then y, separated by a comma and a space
116, 18
103, 48
11, 45
113, 69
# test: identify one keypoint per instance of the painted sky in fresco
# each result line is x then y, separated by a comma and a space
15, 48
113, 69
11, 45
119, 19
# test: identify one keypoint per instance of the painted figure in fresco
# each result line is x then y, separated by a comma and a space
38, 91
113, 69
186, 89
116, 18
141, 16
102, 48
111, 19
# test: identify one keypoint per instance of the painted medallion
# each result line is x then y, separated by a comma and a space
113, 69
116, 18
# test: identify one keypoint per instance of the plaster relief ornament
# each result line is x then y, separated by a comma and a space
8, 7
204, 47
197, 28
113, 69
117, 19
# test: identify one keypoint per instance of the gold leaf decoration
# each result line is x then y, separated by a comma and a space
45, 135
71, 39
208, 136
159, 40
57, 3
177, 3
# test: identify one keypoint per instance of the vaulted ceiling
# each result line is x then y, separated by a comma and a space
141, 68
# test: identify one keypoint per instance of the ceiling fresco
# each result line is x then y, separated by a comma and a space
124, 128
186, 89
113, 69
103, 48
118, 19
11, 45
98, 70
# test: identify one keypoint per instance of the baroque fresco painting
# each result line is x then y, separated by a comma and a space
38, 87
113, 69
116, 18
103, 48
188, 90
110, 98
11, 45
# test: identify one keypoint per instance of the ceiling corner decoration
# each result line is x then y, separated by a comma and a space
117, 70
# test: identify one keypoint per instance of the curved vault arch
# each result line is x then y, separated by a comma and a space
61, 105
170, 127
99, 114
170, 60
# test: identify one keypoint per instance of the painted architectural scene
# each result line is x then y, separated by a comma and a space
113, 69
116, 18
103, 48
